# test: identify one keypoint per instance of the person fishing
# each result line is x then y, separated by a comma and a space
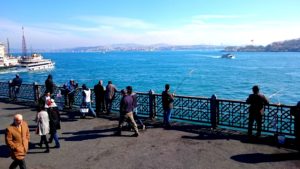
167, 103
257, 102
295, 111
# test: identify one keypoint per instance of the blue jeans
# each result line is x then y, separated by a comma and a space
55, 137
89, 105
167, 116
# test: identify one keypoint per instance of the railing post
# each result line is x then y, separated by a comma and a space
152, 112
213, 111
36, 92
10, 90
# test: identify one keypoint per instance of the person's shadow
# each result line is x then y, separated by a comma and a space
263, 158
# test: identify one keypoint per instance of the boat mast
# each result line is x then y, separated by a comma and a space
24, 50
8, 49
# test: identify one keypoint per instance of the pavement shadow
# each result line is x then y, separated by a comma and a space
4, 151
90, 134
265, 158
15, 108
206, 133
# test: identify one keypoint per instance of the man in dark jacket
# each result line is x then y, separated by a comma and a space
126, 108
167, 103
99, 95
16, 84
49, 85
257, 102
295, 111
110, 93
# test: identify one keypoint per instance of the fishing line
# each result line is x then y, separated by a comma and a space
184, 79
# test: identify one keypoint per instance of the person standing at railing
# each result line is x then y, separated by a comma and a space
86, 101
99, 96
110, 94
49, 84
70, 89
295, 111
167, 103
257, 102
16, 84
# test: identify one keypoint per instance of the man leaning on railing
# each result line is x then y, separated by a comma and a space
16, 84
295, 111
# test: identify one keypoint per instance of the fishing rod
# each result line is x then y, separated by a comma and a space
276, 94
184, 79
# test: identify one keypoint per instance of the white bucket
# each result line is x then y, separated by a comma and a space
84, 110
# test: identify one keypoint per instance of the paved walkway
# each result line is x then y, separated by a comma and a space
90, 144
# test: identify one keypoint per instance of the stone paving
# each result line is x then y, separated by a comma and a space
90, 144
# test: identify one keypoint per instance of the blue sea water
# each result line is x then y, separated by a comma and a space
192, 73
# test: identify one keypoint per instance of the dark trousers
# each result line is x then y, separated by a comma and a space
16, 163
44, 140
108, 105
15, 92
297, 129
258, 118
100, 105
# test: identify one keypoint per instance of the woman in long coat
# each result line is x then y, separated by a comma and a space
43, 128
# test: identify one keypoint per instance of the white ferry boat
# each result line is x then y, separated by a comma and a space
6, 62
35, 62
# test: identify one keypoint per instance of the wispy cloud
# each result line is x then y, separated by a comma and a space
218, 16
100, 30
120, 22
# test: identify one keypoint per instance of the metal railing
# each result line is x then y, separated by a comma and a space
206, 111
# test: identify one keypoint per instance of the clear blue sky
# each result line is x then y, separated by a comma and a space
71, 23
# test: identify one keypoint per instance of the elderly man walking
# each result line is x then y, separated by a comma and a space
17, 139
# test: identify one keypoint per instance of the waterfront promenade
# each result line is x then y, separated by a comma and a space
90, 144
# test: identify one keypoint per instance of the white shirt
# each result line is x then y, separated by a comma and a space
87, 95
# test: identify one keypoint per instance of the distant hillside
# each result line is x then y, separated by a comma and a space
137, 47
284, 46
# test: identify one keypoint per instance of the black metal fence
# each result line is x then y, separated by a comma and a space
207, 111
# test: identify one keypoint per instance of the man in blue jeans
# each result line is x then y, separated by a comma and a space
167, 103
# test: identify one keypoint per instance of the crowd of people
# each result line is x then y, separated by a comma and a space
48, 116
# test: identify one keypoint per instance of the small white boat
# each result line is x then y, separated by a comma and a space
35, 62
228, 56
